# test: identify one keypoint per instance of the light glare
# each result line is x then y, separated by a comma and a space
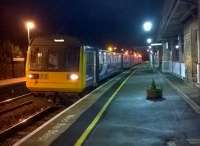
59, 40
30, 25
147, 26
149, 40
74, 77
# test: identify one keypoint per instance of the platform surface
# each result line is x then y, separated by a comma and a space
12, 81
131, 120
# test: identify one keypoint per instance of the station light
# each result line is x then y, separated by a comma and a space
59, 40
30, 25
157, 44
177, 46
149, 40
126, 53
110, 49
147, 26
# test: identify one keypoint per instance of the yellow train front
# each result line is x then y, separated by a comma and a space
63, 64
55, 65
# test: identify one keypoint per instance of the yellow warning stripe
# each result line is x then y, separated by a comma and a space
92, 125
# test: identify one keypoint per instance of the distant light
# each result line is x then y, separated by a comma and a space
110, 49
126, 53
149, 40
149, 47
177, 46
59, 40
89, 47
39, 54
147, 26
157, 44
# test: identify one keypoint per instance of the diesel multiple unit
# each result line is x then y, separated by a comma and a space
65, 65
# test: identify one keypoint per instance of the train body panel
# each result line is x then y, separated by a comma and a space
109, 64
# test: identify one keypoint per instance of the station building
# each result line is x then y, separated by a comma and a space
179, 31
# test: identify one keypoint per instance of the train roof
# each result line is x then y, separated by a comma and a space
55, 41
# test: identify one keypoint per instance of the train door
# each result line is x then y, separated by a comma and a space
91, 71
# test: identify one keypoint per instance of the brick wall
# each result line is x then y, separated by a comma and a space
190, 49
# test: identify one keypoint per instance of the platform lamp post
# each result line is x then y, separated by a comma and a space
29, 25
147, 27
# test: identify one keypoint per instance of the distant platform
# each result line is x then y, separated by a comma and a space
8, 82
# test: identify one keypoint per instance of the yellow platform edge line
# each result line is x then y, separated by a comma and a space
93, 124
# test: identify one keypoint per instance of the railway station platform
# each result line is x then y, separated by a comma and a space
127, 118
12, 81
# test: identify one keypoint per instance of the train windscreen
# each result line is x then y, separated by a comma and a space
54, 59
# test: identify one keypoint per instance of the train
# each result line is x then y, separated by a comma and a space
65, 65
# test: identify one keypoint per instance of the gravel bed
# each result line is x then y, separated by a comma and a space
18, 115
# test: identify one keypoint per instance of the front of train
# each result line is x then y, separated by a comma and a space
54, 65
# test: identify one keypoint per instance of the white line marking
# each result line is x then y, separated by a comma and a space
194, 106
171, 143
193, 141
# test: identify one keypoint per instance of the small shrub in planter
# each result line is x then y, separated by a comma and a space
154, 92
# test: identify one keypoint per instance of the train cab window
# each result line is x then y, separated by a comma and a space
54, 59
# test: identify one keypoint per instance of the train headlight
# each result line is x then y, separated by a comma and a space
30, 76
74, 77
33, 76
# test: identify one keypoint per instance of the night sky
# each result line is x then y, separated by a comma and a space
95, 22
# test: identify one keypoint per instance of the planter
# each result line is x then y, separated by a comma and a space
154, 93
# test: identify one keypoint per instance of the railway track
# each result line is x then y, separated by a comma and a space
19, 112
31, 119
14, 98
